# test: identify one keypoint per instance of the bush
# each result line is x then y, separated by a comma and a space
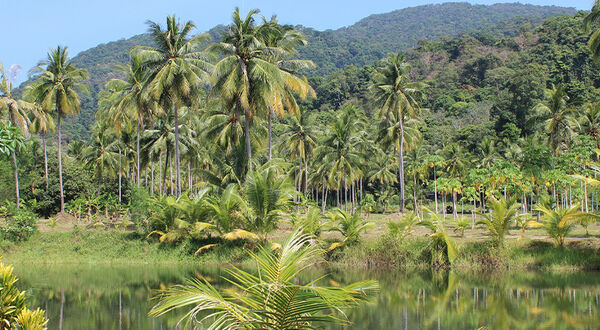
19, 224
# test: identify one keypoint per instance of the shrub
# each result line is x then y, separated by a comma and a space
19, 224
14, 313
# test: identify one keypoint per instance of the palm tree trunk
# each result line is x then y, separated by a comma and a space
120, 175
324, 197
177, 155
14, 154
152, 180
401, 165
435, 189
190, 183
270, 136
246, 113
60, 178
415, 193
160, 174
137, 148
171, 174
305, 176
454, 204
45, 159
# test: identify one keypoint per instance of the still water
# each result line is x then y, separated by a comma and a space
119, 297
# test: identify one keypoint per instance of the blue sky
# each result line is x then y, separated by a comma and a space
32, 27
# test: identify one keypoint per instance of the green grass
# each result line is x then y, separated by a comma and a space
534, 251
99, 246
475, 255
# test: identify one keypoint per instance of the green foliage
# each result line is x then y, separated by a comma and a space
18, 224
256, 304
498, 220
559, 221
442, 248
14, 313
350, 226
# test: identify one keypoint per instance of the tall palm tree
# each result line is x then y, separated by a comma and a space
11, 140
102, 154
558, 118
17, 111
42, 123
244, 77
339, 150
56, 89
176, 71
131, 102
283, 42
398, 98
300, 141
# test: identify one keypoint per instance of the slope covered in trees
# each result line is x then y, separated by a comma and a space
363, 43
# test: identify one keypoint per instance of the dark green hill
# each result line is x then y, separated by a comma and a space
362, 43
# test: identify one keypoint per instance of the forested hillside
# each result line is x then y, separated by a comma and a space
481, 85
361, 44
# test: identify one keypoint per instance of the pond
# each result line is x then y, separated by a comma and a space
118, 297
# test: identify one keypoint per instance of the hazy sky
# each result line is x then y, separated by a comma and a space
31, 27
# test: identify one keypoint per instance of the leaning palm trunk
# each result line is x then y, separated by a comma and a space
14, 154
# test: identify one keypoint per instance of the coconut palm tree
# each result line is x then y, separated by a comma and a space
248, 77
497, 221
257, 305
558, 118
286, 40
339, 150
102, 154
267, 193
57, 88
128, 101
42, 123
17, 111
398, 99
559, 221
176, 70
11, 140
590, 121
300, 141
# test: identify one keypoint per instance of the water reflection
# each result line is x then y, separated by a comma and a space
118, 297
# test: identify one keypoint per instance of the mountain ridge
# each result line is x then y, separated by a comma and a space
359, 44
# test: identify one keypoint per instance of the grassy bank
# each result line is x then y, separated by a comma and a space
112, 246
479, 255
